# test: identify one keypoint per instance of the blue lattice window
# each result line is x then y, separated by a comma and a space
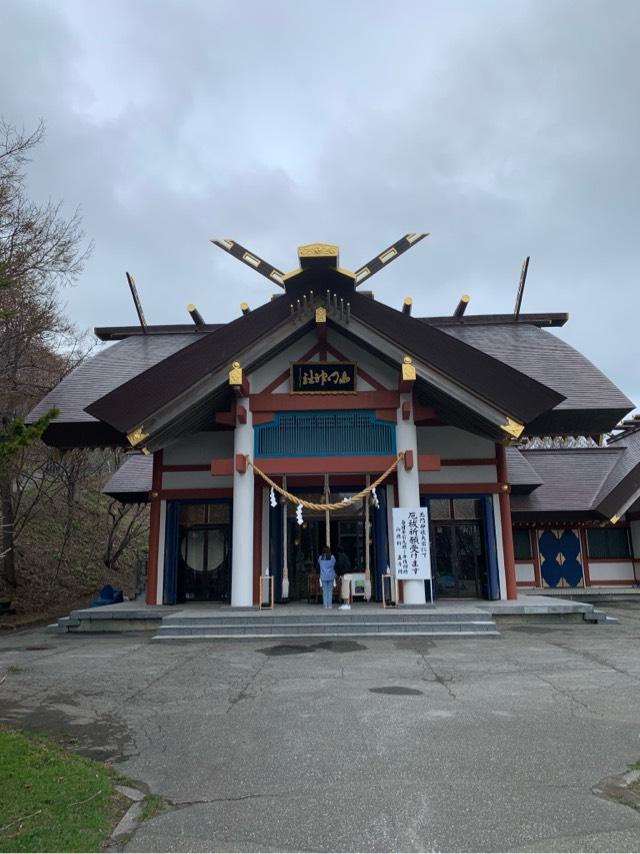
325, 434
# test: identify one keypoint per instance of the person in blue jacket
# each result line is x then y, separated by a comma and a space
327, 565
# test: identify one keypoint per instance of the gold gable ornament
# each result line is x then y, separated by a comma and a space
235, 374
408, 369
512, 428
134, 437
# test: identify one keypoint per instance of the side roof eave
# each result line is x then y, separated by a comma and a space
522, 397
131, 403
622, 486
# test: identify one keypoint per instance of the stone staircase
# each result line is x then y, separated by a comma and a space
421, 622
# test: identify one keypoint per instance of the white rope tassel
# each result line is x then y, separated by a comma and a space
272, 498
299, 514
374, 497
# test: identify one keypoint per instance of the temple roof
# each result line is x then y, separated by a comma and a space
525, 371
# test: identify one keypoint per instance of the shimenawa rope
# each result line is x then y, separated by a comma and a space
338, 505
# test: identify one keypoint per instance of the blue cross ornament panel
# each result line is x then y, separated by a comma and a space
560, 558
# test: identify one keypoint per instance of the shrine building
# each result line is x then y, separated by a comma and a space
307, 420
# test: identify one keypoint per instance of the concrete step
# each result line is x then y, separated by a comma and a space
329, 627
320, 618
324, 635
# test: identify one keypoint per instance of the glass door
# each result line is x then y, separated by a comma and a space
458, 551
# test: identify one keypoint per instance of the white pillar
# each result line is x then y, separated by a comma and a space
497, 521
242, 537
409, 488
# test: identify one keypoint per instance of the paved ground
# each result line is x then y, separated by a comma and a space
456, 744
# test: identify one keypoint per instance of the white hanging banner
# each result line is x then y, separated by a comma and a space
411, 540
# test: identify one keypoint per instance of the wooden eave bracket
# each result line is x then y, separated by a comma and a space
426, 462
242, 463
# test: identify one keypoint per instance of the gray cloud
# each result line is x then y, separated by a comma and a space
504, 128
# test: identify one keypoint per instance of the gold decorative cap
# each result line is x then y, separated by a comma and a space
312, 255
408, 369
512, 427
235, 374
134, 437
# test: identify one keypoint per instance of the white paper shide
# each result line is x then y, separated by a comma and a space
411, 539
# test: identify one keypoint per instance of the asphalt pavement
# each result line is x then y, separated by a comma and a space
454, 744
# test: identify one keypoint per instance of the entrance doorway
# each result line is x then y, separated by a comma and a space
204, 539
459, 562
305, 543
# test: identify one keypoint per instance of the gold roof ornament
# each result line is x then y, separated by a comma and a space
512, 428
408, 369
318, 250
321, 314
235, 374
134, 437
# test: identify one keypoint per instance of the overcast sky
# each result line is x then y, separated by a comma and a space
503, 128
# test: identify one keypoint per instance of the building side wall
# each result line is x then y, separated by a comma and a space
195, 480
451, 443
597, 572
199, 448
525, 573
608, 571
460, 474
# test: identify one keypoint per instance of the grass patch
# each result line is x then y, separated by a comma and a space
53, 800
152, 805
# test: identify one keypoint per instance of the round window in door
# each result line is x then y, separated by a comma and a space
204, 571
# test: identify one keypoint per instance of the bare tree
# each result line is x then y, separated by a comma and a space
40, 251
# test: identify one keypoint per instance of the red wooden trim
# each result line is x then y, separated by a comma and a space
312, 481
406, 410
533, 534
611, 560
408, 460
221, 467
422, 413
626, 582
428, 462
405, 386
187, 467
361, 372
320, 465
526, 584
285, 374
262, 417
241, 463
214, 492
257, 541
386, 415
293, 402
226, 418
459, 488
470, 461
505, 519
241, 414
154, 529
